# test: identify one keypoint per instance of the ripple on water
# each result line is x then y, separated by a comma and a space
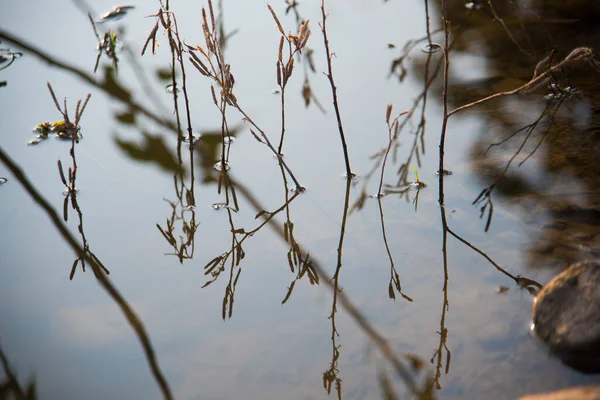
220, 206
220, 166
431, 48
172, 88
299, 189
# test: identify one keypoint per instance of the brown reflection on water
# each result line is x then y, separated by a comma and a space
540, 155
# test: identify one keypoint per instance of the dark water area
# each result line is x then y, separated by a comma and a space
234, 282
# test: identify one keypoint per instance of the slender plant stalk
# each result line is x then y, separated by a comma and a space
285, 70
295, 44
270, 146
445, 106
336, 107
211, 63
280, 147
579, 53
331, 375
443, 330
382, 344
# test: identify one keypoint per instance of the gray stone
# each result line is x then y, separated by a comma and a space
591, 392
566, 316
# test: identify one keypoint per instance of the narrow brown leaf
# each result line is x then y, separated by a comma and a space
290, 263
198, 67
301, 30
256, 136
212, 264
77, 108
66, 209
231, 304
207, 35
62, 175
212, 15
276, 20
280, 52
168, 238
204, 19
237, 277
54, 97
290, 68
214, 96
259, 214
312, 274
388, 113
311, 62
73, 268
224, 312
306, 93
305, 38
289, 293
151, 37
198, 60
79, 112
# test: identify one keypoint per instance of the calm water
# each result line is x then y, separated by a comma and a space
472, 335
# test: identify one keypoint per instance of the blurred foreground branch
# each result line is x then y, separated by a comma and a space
132, 318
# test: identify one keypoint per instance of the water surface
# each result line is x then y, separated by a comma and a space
470, 333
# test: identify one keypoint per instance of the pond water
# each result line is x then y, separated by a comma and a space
247, 287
